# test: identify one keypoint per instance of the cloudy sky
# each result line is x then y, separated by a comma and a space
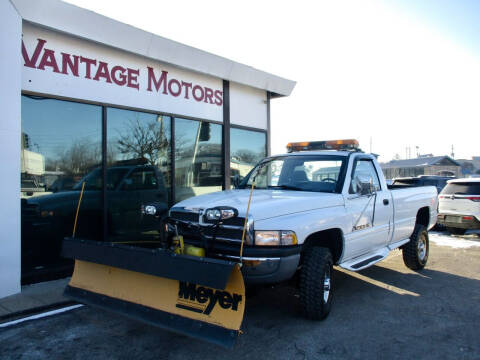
393, 74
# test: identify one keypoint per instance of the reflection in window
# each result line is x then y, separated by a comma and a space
198, 158
138, 174
61, 143
247, 148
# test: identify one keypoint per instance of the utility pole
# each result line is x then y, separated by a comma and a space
452, 154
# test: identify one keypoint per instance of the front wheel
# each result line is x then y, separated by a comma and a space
415, 252
316, 283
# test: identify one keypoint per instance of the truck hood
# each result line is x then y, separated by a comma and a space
265, 203
62, 197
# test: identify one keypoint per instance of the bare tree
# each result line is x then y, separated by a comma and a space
248, 156
82, 155
144, 140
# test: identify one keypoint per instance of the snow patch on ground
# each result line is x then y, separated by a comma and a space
458, 242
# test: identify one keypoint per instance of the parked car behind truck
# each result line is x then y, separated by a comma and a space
459, 205
423, 180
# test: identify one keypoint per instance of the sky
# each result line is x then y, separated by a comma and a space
396, 75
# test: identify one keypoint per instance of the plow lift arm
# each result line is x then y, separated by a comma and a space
197, 296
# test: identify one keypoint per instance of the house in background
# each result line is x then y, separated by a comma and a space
423, 165
470, 167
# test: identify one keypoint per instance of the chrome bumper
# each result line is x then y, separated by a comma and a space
266, 270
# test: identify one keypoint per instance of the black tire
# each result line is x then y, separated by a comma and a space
317, 269
456, 231
415, 252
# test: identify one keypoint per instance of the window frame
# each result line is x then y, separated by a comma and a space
354, 167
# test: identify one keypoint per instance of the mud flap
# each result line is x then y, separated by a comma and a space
189, 306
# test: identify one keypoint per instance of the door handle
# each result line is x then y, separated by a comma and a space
386, 202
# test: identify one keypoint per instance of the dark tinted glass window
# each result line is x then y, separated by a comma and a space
141, 179
247, 148
468, 188
198, 158
138, 174
61, 144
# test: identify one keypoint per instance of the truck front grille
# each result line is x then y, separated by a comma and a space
230, 231
185, 216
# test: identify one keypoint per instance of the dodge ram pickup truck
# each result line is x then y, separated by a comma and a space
321, 204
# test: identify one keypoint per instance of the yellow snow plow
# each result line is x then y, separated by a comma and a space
195, 296
175, 286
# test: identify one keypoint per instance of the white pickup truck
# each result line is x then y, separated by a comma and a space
312, 209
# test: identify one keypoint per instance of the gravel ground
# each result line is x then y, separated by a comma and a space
385, 311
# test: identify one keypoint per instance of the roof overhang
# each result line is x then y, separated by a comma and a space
75, 21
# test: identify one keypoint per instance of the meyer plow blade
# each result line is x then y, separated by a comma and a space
199, 297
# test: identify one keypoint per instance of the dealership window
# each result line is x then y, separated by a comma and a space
61, 147
247, 148
62, 153
138, 172
198, 158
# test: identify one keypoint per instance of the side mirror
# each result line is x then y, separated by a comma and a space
237, 179
364, 185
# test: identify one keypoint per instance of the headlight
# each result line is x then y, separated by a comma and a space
150, 210
275, 238
220, 213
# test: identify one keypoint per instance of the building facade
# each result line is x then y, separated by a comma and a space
424, 165
122, 117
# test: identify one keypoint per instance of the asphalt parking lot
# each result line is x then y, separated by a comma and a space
384, 312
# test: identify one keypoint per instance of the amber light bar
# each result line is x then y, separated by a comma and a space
347, 144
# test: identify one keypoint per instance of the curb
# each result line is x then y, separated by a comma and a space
36, 310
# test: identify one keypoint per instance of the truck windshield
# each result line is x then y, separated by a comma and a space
301, 173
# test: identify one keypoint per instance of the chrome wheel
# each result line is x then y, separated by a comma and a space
326, 285
422, 248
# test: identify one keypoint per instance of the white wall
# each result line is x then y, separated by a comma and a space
10, 132
248, 106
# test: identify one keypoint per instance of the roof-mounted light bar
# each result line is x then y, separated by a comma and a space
346, 145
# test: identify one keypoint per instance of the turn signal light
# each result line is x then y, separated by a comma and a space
347, 144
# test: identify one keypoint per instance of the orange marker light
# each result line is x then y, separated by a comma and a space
347, 144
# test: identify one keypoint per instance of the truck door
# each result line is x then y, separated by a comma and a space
370, 215
143, 188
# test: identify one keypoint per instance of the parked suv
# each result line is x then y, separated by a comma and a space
459, 205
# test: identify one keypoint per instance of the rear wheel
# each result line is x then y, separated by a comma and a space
415, 252
456, 231
316, 283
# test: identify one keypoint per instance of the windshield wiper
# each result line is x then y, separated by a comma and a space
286, 187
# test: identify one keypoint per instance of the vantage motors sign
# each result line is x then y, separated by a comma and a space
60, 65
